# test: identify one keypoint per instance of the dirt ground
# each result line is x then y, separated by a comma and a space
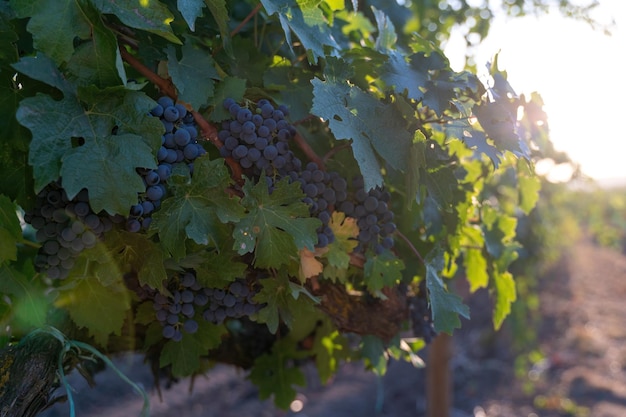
582, 335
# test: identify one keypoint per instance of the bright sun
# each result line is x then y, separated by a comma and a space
580, 75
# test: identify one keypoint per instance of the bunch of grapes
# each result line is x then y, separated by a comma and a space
258, 138
179, 145
189, 301
324, 191
235, 301
374, 218
64, 228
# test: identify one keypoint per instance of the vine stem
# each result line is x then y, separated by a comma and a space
411, 246
252, 13
308, 151
164, 85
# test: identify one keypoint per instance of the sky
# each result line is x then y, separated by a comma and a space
580, 74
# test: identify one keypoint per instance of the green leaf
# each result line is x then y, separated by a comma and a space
193, 75
185, 355
309, 26
10, 230
373, 127
106, 167
398, 73
218, 269
328, 349
387, 38
505, 296
499, 230
277, 225
446, 306
274, 375
190, 10
232, 87
476, 269
98, 308
384, 270
40, 67
374, 352
54, 24
529, 187
220, 15
197, 209
282, 302
30, 305
139, 253
151, 16
345, 230
54, 124
97, 61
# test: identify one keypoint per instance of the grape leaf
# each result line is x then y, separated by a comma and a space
387, 38
184, 356
529, 187
476, 269
141, 254
384, 270
155, 19
477, 141
446, 307
190, 10
505, 296
345, 230
193, 75
499, 230
277, 225
30, 305
329, 347
106, 167
98, 308
97, 61
282, 302
197, 209
220, 15
309, 265
274, 375
54, 123
40, 67
230, 87
10, 230
309, 26
54, 24
374, 352
374, 127
218, 269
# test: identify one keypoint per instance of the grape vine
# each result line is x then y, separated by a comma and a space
253, 186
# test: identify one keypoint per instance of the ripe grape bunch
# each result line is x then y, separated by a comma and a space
258, 138
64, 228
179, 145
189, 302
374, 217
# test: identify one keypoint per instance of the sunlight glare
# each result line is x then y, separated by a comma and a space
578, 73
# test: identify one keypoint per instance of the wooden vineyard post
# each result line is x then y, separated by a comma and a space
438, 379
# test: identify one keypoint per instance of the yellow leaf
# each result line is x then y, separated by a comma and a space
309, 266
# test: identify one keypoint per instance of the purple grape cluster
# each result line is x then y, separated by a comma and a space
324, 191
189, 302
258, 138
374, 217
179, 145
235, 301
64, 228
